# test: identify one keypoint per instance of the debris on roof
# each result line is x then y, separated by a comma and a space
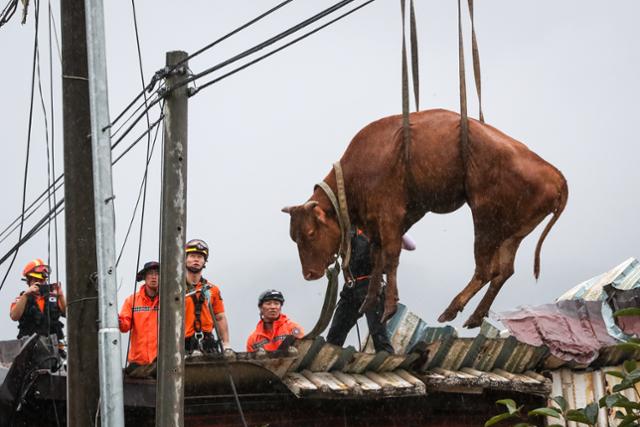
580, 323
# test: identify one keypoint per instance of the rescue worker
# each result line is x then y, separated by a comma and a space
353, 294
204, 309
274, 326
139, 316
39, 308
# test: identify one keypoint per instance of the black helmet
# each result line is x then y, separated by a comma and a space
151, 265
270, 295
197, 246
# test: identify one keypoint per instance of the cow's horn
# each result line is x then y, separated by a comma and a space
310, 204
287, 209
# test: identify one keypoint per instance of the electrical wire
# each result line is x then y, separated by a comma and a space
229, 34
224, 76
141, 192
8, 12
161, 73
26, 164
264, 44
53, 138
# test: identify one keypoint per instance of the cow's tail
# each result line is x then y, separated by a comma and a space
561, 203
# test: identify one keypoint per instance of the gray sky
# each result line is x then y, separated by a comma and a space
559, 76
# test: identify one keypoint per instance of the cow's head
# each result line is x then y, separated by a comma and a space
317, 235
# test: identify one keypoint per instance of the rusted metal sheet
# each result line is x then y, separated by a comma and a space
456, 354
325, 358
359, 363
391, 362
298, 384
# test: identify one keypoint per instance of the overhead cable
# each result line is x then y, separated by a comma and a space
26, 163
266, 43
224, 76
161, 73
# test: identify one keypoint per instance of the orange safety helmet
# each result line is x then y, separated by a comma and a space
36, 269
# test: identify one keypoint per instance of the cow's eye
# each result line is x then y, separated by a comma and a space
311, 233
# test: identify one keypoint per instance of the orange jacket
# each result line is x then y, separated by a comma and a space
271, 340
213, 302
143, 326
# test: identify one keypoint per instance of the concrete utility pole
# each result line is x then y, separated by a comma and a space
82, 293
170, 378
110, 364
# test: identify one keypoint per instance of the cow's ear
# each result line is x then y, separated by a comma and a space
320, 214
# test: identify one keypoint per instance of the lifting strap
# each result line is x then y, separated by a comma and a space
329, 304
476, 61
464, 120
406, 131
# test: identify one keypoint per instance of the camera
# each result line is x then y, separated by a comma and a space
45, 288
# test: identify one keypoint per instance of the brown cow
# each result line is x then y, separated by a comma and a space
509, 188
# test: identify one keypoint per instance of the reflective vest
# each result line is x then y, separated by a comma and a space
271, 340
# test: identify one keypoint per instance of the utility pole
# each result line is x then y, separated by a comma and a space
82, 293
110, 364
170, 377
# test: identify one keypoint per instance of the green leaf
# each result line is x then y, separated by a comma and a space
631, 311
498, 418
556, 425
591, 412
523, 425
577, 415
630, 365
562, 402
510, 404
629, 420
622, 386
545, 412
628, 346
616, 374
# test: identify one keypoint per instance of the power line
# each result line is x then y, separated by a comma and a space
216, 80
160, 74
266, 43
26, 164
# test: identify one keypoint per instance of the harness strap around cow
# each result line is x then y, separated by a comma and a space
342, 212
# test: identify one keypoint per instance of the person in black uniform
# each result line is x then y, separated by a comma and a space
353, 295
39, 308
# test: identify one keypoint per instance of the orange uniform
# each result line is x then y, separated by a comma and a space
271, 340
142, 321
212, 302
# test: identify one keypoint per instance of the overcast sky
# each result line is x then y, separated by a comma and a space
562, 77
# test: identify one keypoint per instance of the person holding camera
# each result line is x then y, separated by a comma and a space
39, 308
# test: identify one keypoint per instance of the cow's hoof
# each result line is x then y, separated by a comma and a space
448, 315
474, 321
389, 311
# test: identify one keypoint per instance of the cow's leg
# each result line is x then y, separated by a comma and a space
485, 249
391, 256
504, 258
375, 281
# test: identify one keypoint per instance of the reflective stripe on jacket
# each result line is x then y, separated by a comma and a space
271, 340
143, 326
